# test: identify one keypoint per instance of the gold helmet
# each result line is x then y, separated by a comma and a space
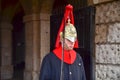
70, 32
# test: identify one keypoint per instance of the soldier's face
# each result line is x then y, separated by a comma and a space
68, 45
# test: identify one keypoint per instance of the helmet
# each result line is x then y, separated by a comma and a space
69, 33
67, 30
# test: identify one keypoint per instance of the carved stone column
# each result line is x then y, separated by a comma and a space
37, 38
32, 46
6, 50
44, 35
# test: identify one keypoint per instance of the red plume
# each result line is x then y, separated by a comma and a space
68, 14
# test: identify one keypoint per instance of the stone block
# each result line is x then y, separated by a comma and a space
35, 75
118, 54
28, 75
109, 12
101, 31
107, 72
100, 1
6, 38
6, 72
29, 60
114, 33
31, 75
108, 53
45, 39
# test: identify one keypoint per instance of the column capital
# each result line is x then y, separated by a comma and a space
32, 17
44, 16
36, 17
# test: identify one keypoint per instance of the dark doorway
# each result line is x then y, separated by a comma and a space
18, 38
84, 23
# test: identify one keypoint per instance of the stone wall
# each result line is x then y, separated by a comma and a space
107, 41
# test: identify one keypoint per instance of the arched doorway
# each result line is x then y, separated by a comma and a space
18, 45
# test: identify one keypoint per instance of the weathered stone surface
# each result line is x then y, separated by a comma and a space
45, 37
6, 69
108, 53
31, 75
107, 39
114, 33
28, 75
107, 72
100, 1
37, 31
109, 12
35, 75
101, 33
118, 54
32, 39
6, 72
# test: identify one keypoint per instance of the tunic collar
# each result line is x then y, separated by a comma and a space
69, 55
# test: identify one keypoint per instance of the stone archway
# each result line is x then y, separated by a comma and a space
8, 11
18, 45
